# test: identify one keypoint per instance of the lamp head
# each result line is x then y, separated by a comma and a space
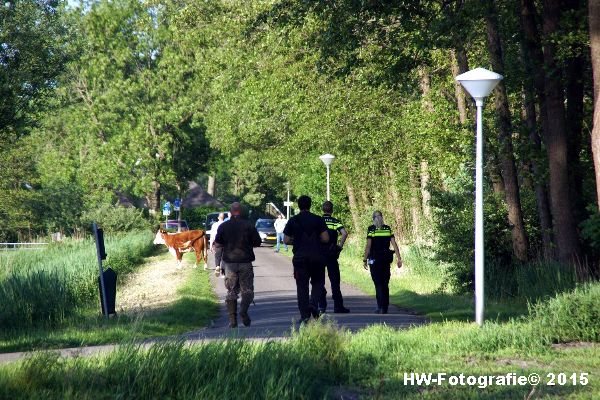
479, 82
327, 159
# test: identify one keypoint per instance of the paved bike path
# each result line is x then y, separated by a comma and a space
275, 311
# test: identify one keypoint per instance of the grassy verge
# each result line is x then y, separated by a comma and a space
194, 307
420, 286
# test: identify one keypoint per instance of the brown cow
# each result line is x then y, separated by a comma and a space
184, 242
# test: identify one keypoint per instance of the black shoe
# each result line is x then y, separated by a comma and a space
384, 311
341, 310
315, 313
304, 321
378, 311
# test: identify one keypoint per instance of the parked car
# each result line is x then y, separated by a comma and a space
173, 225
266, 230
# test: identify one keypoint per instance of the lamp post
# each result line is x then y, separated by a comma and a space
479, 82
327, 160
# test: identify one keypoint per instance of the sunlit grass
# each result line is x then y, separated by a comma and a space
320, 361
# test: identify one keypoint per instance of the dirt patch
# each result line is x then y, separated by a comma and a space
574, 345
520, 363
152, 287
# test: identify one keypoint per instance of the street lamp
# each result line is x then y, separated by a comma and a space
327, 160
479, 82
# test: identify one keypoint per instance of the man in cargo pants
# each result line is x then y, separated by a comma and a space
237, 237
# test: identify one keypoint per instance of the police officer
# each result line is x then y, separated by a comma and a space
307, 232
237, 237
378, 258
331, 251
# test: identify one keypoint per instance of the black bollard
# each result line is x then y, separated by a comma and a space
110, 286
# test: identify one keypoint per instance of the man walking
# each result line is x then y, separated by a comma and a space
279, 224
331, 252
237, 237
217, 250
307, 231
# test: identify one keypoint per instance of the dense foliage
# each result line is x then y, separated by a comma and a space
142, 96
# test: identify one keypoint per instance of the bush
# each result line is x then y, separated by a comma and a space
114, 218
453, 216
569, 317
590, 228
196, 217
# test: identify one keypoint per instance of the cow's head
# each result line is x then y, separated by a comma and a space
159, 239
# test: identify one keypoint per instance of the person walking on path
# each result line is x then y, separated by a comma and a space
237, 237
331, 253
217, 250
280, 223
378, 258
307, 231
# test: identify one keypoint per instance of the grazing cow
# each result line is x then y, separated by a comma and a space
184, 242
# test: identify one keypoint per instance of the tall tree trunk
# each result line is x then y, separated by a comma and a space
366, 203
354, 211
210, 189
424, 167
565, 230
507, 161
154, 198
415, 203
398, 209
574, 73
461, 100
532, 60
541, 195
594, 17
425, 194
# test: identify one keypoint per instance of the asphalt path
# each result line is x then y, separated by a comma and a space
275, 312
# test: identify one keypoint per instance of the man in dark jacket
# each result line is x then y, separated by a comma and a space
237, 237
307, 231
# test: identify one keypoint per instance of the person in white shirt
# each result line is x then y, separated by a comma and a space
218, 250
279, 227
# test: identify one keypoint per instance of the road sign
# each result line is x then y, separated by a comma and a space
177, 204
167, 208
288, 203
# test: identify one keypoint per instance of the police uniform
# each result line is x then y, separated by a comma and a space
379, 259
331, 252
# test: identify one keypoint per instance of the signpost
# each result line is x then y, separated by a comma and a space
287, 203
99, 236
177, 207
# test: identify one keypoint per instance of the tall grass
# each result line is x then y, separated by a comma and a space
45, 287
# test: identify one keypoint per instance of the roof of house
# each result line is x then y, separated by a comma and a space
197, 196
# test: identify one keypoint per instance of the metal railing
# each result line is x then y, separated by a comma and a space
22, 246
